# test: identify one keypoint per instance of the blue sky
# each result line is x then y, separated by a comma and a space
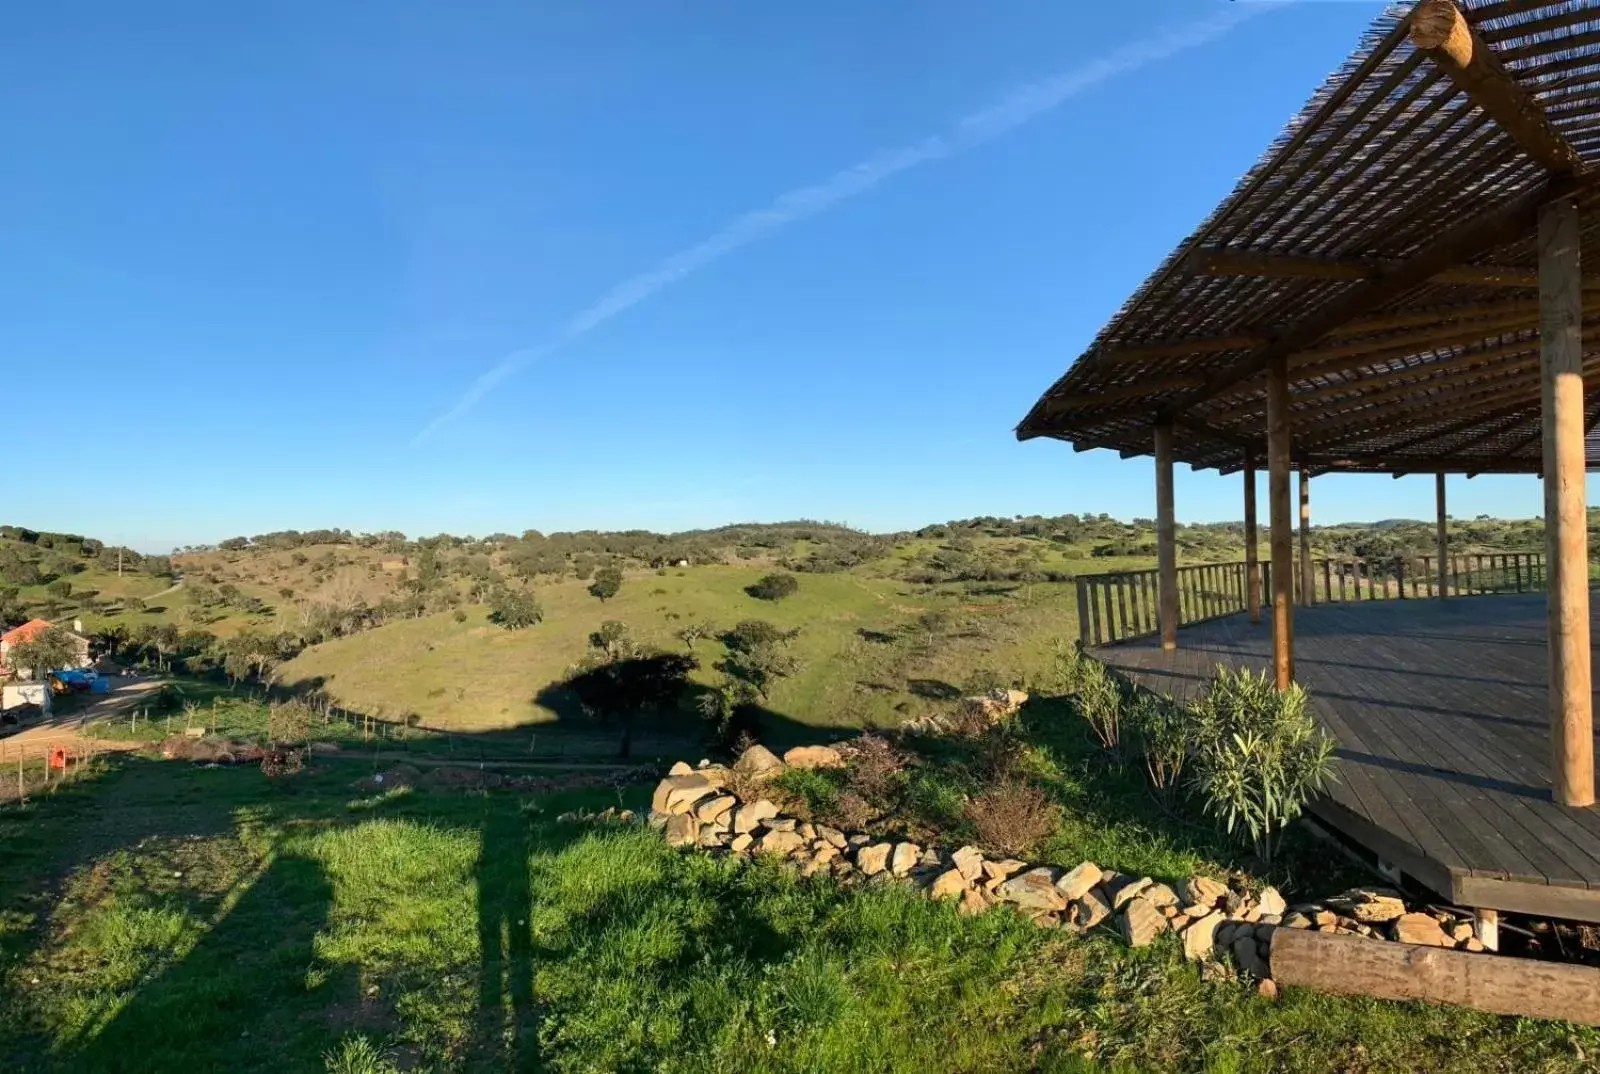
491, 266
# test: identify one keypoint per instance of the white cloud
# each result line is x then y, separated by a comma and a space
1025, 104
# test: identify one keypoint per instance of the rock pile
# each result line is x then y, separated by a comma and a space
608, 815
1216, 924
991, 708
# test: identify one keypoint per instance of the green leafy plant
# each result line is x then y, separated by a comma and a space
515, 609
774, 586
1165, 733
1258, 755
1100, 701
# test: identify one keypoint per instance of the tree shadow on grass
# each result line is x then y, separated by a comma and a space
241, 997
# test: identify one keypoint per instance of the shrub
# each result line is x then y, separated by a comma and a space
459, 615
1012, 817
1258, 755
1099, 700
873, 767
774, 586
515, 609
1165, 733
807, 791
607, 583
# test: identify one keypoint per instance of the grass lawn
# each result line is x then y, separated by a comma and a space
170, 917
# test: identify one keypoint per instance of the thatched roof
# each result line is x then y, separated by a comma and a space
1385, 244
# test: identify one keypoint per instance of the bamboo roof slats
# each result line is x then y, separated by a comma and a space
1384, 245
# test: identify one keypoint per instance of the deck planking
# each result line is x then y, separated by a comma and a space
1440, 711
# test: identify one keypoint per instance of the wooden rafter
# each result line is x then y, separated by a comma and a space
1439, 30
1289, 267
1512, 221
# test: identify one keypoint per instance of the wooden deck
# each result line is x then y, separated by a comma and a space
1439, 708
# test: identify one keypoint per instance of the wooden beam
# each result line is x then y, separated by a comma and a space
1166, 539
1439, 30
1218, 262
1565, 510
1281, 539
1498, 227
1359, 966
1252, 541
1441, 533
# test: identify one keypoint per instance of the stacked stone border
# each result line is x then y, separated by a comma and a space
1218, 925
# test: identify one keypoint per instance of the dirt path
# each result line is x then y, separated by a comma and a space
72, 728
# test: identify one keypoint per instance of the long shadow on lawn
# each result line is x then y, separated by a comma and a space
505, 939
238, 1000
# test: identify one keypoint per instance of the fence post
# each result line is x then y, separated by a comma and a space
1083, 612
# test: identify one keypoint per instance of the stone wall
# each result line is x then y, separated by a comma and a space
1218, 925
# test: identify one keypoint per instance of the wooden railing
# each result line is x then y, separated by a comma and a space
1123, 604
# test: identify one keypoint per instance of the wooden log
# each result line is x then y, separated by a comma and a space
1282, 537
1440, 30
1252, 553
1166, 537
1565, 513
1308, 580
1359, 966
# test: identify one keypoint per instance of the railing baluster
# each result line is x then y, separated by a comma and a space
1083, 612
1122, 606
1094, 613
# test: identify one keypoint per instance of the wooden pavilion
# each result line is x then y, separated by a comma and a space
1397, 287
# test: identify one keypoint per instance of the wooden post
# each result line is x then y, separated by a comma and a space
1565, 513
1252, 555
1282, 535
1442, 534
1308, 579
1166, 539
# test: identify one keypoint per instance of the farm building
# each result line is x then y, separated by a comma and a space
32, 627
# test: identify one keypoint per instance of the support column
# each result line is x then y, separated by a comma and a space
1252, 556
1443, 535
1308, 579
1282, 538
1166, 539
1565, 515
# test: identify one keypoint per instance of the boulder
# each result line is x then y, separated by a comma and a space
905, 856
712, 810
1033, 890
969, 859
1371, 906
1249, 958
1199, 939
680, 769
813, 757
948, 885
1420, 929
711, 837
682, 830
1160, 896
973, 901
1297, 920
717, 775
784, 824
1077, 881
678, 794
824, 852
1270, 903
1141, 923
1267, 989
779, 842
1089, 909
740, 843
1203, 890
758, 764
1129, 891
751, 815
832, 836
1000, 871
873, 859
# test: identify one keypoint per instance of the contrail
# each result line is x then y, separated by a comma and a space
1025, 104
